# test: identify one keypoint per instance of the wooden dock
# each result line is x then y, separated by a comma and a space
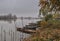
28, 31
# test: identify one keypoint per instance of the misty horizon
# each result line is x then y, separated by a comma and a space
19, 7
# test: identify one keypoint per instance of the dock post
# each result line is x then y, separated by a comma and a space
15, 30
4, 35
1, 32
13, 36
22, 26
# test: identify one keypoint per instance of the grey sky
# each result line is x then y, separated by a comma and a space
19, 7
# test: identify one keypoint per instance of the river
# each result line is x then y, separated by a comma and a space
8, 30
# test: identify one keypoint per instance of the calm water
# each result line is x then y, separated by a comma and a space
7, 30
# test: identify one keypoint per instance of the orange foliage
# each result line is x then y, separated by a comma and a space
43, 23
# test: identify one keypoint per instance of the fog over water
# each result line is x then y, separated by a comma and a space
20, 8
9, 28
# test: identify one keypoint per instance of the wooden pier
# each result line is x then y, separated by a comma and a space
28, 31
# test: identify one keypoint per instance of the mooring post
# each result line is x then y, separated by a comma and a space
22, 26
15, 30
4, 35
13, 36
1, 32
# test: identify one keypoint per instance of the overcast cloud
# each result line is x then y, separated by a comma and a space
19, 7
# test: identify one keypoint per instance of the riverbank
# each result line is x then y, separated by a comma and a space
47, 32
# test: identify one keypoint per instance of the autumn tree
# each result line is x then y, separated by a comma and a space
48, 6
49, 27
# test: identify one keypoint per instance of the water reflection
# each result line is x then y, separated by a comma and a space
7, 32
8, 28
